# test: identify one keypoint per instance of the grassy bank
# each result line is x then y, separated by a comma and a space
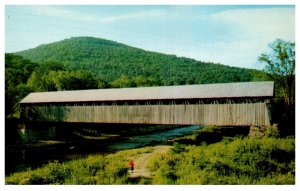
97, 169
231, 161
267, 160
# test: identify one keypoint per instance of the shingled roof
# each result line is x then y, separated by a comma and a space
205, 91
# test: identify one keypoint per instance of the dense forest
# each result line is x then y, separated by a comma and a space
89, 63
111, 61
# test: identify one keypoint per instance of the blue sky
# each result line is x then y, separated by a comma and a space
230, 35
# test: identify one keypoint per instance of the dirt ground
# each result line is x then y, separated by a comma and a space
141, 161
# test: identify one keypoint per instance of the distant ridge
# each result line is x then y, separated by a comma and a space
111, 60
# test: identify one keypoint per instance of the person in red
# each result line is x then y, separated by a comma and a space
131, 166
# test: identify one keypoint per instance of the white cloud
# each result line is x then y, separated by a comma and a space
259, 24
52, 11
56, 12
136, 15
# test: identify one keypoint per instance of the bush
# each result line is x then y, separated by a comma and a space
232, 161
92, 170
272, 131
177, 148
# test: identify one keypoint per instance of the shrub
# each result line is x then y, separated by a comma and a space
92, 170
177, 148
232, 161
272, 131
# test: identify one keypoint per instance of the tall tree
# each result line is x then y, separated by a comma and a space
280, 67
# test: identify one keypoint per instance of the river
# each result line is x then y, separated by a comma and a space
23, 159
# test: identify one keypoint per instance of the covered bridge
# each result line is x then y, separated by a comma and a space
223, 104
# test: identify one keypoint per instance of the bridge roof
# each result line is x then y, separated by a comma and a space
204, 91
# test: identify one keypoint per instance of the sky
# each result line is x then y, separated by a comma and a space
230, 35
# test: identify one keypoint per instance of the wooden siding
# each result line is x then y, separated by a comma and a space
244, 114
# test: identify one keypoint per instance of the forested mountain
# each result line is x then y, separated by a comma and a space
90, 63
112, 61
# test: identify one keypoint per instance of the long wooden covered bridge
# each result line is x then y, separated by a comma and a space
223, 104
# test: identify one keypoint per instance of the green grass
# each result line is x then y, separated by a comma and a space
231, 161
98, 169
268, 160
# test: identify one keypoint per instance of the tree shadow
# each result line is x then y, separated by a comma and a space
212, 135
49, 113
140, 180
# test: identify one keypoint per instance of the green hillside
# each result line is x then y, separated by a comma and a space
91, 63
111, 61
